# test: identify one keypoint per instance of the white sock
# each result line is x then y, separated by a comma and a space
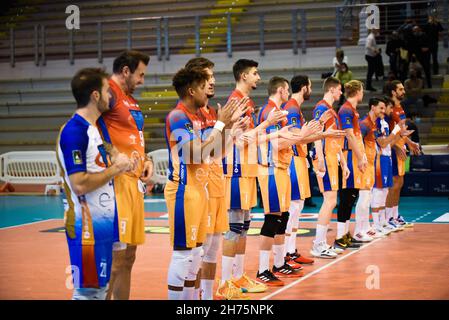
389, 213
382, 217
341, 229
287, 243
278, 250
226, 268
207, 287
376, 220
174, 295
188, 293
348, 224
264, 260
239, 262
291, 244
196, 296
395, 212
321, 232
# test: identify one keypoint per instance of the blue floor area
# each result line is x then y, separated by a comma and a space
17, 210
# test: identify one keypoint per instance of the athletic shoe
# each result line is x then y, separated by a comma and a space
340, 243
301, 259
392, 222
292, 263
363, 237
347, 238
321, 250
375, 235
336, 250
269, 279
353, 241
389, 228
404, 223
248, 285
229, 291
382, 230
287, 272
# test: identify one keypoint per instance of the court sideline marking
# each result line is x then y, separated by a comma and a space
318, 270
25, 224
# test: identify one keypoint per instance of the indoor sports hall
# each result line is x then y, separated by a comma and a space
44, 43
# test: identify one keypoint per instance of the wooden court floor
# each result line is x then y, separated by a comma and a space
411, 264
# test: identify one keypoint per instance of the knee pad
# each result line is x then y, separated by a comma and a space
245, 229
213, 244
235, 225
181, 261
283, 225
271, 225
196, 257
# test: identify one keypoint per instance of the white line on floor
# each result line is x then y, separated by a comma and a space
443, 218
317, 271
25, 224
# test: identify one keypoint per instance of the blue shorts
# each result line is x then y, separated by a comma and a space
383, 167
91, 264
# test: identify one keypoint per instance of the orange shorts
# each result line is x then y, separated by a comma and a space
130, 210
299, 177
187, 214
240, 193
217, 217
275, 187
330, 180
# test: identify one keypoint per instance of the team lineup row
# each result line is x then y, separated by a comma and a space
216, 159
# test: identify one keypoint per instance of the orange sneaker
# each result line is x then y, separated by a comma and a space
249, 285
268, 278
229, 291
301, 259
292, 263
287, 272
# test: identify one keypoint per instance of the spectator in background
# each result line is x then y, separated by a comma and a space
413, 88
421, 48
371, 53
411, 122
432, 30
344, 75
338, 61
415, 66
393, 51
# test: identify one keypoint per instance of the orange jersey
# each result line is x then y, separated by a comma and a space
296, 118
267, 156
215, 185
368, 128
397, 115
349, 119
332, 146
242, 162
123, 126
181, 127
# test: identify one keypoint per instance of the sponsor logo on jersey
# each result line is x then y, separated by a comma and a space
77, 158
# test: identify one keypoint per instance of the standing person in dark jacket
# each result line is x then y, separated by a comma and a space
432, 30
420, 47
393, 51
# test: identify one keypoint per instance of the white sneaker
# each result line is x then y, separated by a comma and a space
389, 228
335, 249
321, 250
385, 231
374, 234
363, 237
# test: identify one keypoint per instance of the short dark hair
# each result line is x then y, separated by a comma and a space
187, 78
330, 82
375, 101
86, 81
275, 83
200, 62
298, 82
391, 86
130, 59
388, 100
242, 66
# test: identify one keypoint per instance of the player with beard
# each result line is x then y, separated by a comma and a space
395, 90
123, 126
